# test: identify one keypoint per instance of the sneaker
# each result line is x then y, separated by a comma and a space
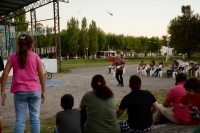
121, 85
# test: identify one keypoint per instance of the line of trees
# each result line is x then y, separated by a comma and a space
76, 41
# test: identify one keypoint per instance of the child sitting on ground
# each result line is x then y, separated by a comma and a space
68, 120
192, 99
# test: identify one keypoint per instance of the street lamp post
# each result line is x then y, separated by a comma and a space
167, 55
87, 52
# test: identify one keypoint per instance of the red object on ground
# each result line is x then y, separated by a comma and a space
111, 59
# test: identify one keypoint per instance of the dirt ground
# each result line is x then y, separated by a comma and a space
78, 83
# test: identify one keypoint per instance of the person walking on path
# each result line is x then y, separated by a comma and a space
170, 108
119, 65
25, 84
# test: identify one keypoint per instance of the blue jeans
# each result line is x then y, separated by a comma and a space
33, 100
156, 72
169, 72
56, 130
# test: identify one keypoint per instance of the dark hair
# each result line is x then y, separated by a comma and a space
101, 90
67, 101
181, 77
153, 62
193, 84
24, 43
135, 83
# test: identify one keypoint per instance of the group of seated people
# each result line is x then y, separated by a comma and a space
151, 67
98, 112
175, 67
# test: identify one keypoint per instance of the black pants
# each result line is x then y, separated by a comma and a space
119, 77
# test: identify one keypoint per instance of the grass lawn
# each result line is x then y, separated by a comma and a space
72, 63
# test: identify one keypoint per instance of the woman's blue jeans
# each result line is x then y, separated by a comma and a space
33, 101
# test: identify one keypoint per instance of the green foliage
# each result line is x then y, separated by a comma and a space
84, 37
93, 38
20, 21
101, 39
65, 47
184, 31
73, 35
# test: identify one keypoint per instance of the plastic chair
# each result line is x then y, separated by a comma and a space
197, 72
160, 73
151, 72
174, 74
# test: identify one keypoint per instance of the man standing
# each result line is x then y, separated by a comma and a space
119, 65
170, 108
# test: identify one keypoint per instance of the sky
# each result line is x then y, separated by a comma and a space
130, 17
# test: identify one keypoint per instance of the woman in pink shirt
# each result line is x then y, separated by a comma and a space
25, 84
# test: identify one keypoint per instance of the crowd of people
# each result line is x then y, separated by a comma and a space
98, 113
153, 70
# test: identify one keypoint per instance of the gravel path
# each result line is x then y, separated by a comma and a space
77, 83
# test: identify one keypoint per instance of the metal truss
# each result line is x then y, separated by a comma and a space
57, 33
33, 24
30, 7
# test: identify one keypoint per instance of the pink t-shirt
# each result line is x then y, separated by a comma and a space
25, 79
182, 115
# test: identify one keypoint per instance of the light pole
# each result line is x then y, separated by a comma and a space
87, 52
167, 55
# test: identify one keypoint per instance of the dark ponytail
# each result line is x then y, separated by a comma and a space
24, 43
101, 90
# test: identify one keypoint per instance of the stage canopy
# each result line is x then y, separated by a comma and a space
8, 6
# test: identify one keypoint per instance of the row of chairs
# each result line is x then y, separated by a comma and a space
160, 73
144, 72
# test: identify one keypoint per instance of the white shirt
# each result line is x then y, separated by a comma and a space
184, 64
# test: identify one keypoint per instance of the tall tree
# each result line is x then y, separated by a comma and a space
73, 35
101, 39
64, 43
20, 21
184, 31
83, 37
93, 38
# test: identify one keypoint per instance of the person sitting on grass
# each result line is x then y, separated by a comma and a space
140, 105
170, 111
192, 99
68, 120
100, 108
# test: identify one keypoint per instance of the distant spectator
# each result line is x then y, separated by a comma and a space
151, 67
183, 66
194, 67
140, 66
158, 69
172, 68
